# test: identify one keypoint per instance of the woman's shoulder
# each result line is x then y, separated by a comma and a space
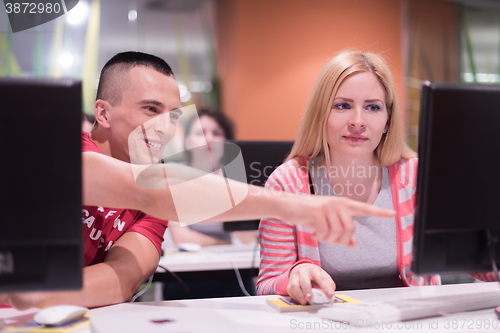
404, 172
293, 165
404, 162
291, 173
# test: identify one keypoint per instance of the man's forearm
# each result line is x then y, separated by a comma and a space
128, 264
91, 295
109, 182
174, 192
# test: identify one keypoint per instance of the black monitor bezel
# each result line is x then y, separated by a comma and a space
445, 248
40, 123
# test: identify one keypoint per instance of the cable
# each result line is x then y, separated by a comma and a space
238, 275
240, 280
492, 244
140, 293
175, 276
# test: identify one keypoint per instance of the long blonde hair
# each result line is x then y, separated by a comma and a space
311, 140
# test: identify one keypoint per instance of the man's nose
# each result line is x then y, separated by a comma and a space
163, 126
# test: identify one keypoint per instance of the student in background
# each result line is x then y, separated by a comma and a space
204, 136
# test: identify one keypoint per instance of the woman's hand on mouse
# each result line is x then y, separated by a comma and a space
301, 278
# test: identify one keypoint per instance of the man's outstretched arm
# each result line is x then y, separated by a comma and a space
176, 192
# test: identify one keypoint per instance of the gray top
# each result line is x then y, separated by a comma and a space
373, 262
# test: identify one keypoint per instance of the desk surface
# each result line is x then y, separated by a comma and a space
217, 257
252, 314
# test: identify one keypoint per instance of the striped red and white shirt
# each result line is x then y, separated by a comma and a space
283, 245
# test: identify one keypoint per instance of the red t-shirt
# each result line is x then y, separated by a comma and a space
103, 226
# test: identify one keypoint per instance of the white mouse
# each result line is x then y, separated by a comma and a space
59, 314
189, 247
319, 297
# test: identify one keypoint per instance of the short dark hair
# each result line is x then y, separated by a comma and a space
113, 73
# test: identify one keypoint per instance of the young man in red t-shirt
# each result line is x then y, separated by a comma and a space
122, 244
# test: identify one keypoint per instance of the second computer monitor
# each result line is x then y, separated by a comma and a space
260, 159
458, 187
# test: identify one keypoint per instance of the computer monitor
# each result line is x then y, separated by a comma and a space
260, 159
458, 186
40, 186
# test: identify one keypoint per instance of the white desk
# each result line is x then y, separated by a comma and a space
252, 314
217, 257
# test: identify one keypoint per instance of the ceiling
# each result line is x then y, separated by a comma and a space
180, 31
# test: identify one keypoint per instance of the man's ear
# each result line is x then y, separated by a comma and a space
101, 111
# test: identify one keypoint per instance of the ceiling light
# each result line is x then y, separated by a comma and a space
132, 15
78, 14
65, 60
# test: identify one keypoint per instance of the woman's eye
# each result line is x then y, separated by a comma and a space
218, 134
373, 107
342, 106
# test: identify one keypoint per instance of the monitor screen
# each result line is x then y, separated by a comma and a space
40, 187
260, 159
458, 188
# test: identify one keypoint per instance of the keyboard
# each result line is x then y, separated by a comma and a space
363, 314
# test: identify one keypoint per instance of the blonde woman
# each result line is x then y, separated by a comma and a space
351, 143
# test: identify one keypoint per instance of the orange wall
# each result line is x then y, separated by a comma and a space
271, 51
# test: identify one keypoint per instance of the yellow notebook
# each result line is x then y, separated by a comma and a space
287, 304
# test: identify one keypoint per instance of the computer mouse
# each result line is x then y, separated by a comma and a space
497, 312
59, 314
319, 297
189, 247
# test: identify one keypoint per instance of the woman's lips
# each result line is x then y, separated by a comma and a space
355, 138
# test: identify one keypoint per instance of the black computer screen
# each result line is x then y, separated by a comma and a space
40, 185
260, 159
458, 186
